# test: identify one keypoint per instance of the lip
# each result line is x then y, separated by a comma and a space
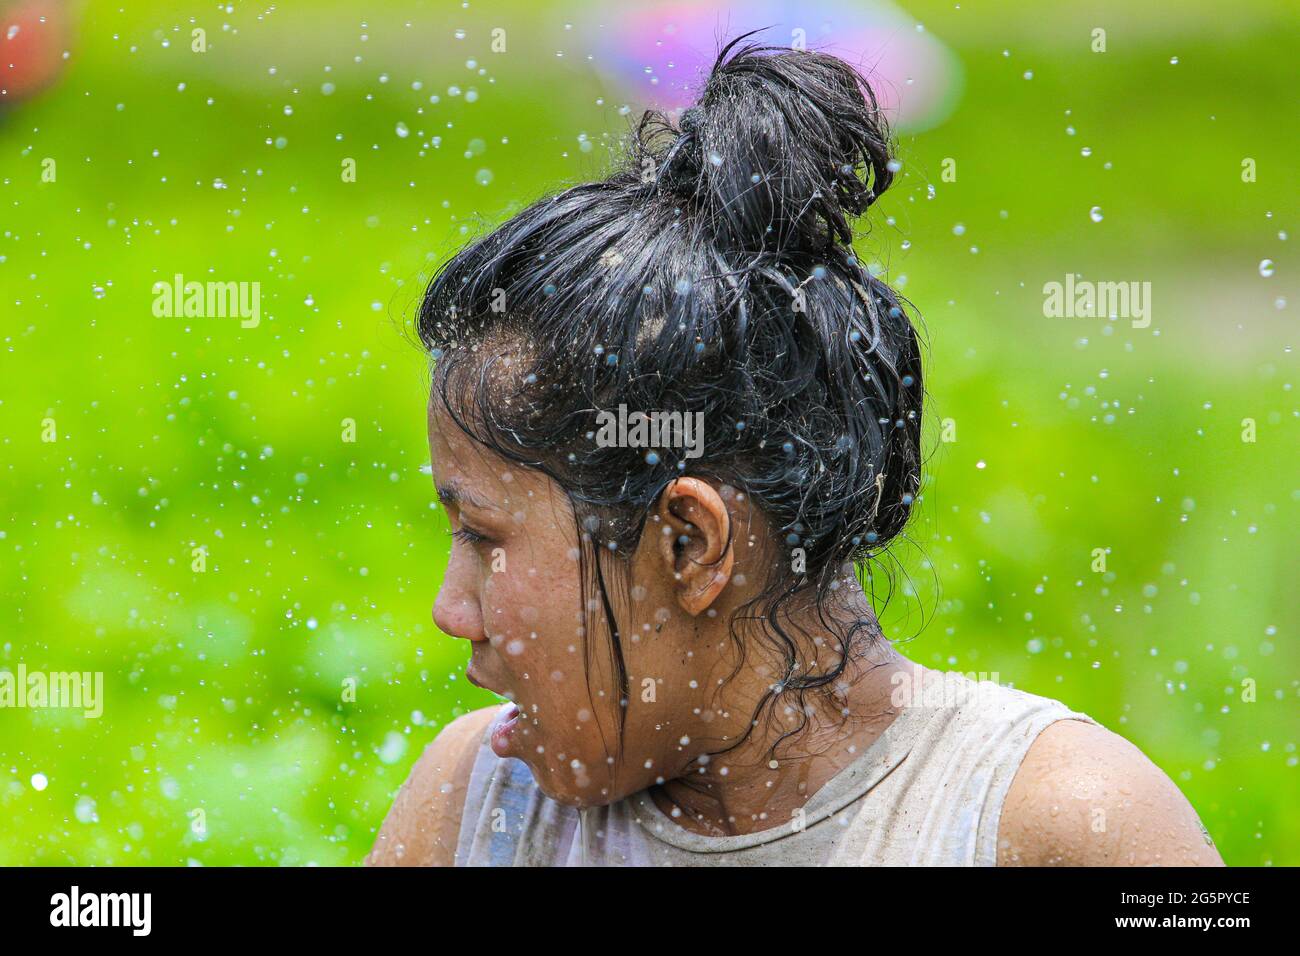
503, 728
473, 675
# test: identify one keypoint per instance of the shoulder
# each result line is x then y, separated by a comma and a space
423, 825
1084, 796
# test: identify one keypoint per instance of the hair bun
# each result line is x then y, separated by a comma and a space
784, 148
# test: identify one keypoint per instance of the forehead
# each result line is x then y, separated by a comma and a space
466, 471
457, 459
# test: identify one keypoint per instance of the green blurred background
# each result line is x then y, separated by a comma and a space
224, 689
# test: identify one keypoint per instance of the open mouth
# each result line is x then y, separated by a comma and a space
503, 728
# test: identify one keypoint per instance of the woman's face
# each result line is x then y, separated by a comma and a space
512, 589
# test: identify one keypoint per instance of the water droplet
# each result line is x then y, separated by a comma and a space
1095, 214
1266, 267
393, 748
85, 810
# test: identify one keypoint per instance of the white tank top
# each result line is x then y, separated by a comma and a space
928, 791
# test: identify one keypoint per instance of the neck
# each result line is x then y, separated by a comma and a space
748, 788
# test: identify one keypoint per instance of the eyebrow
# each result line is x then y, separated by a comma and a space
455, 493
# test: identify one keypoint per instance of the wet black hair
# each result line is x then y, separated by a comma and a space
712, 271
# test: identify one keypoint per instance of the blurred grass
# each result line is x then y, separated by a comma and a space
224, 688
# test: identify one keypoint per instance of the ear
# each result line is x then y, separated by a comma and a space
695, 542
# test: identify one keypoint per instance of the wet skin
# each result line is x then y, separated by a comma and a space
512, 589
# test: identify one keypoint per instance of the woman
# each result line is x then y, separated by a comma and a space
671, 414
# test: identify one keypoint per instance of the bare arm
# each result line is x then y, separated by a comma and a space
1087, 797
422, 827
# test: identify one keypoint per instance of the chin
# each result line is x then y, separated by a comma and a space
567, 790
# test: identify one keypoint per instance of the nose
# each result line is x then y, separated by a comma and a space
456, 612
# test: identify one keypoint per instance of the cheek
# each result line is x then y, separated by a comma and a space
534, 628
531, 620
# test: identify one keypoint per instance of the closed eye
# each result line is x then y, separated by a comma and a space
468, 535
